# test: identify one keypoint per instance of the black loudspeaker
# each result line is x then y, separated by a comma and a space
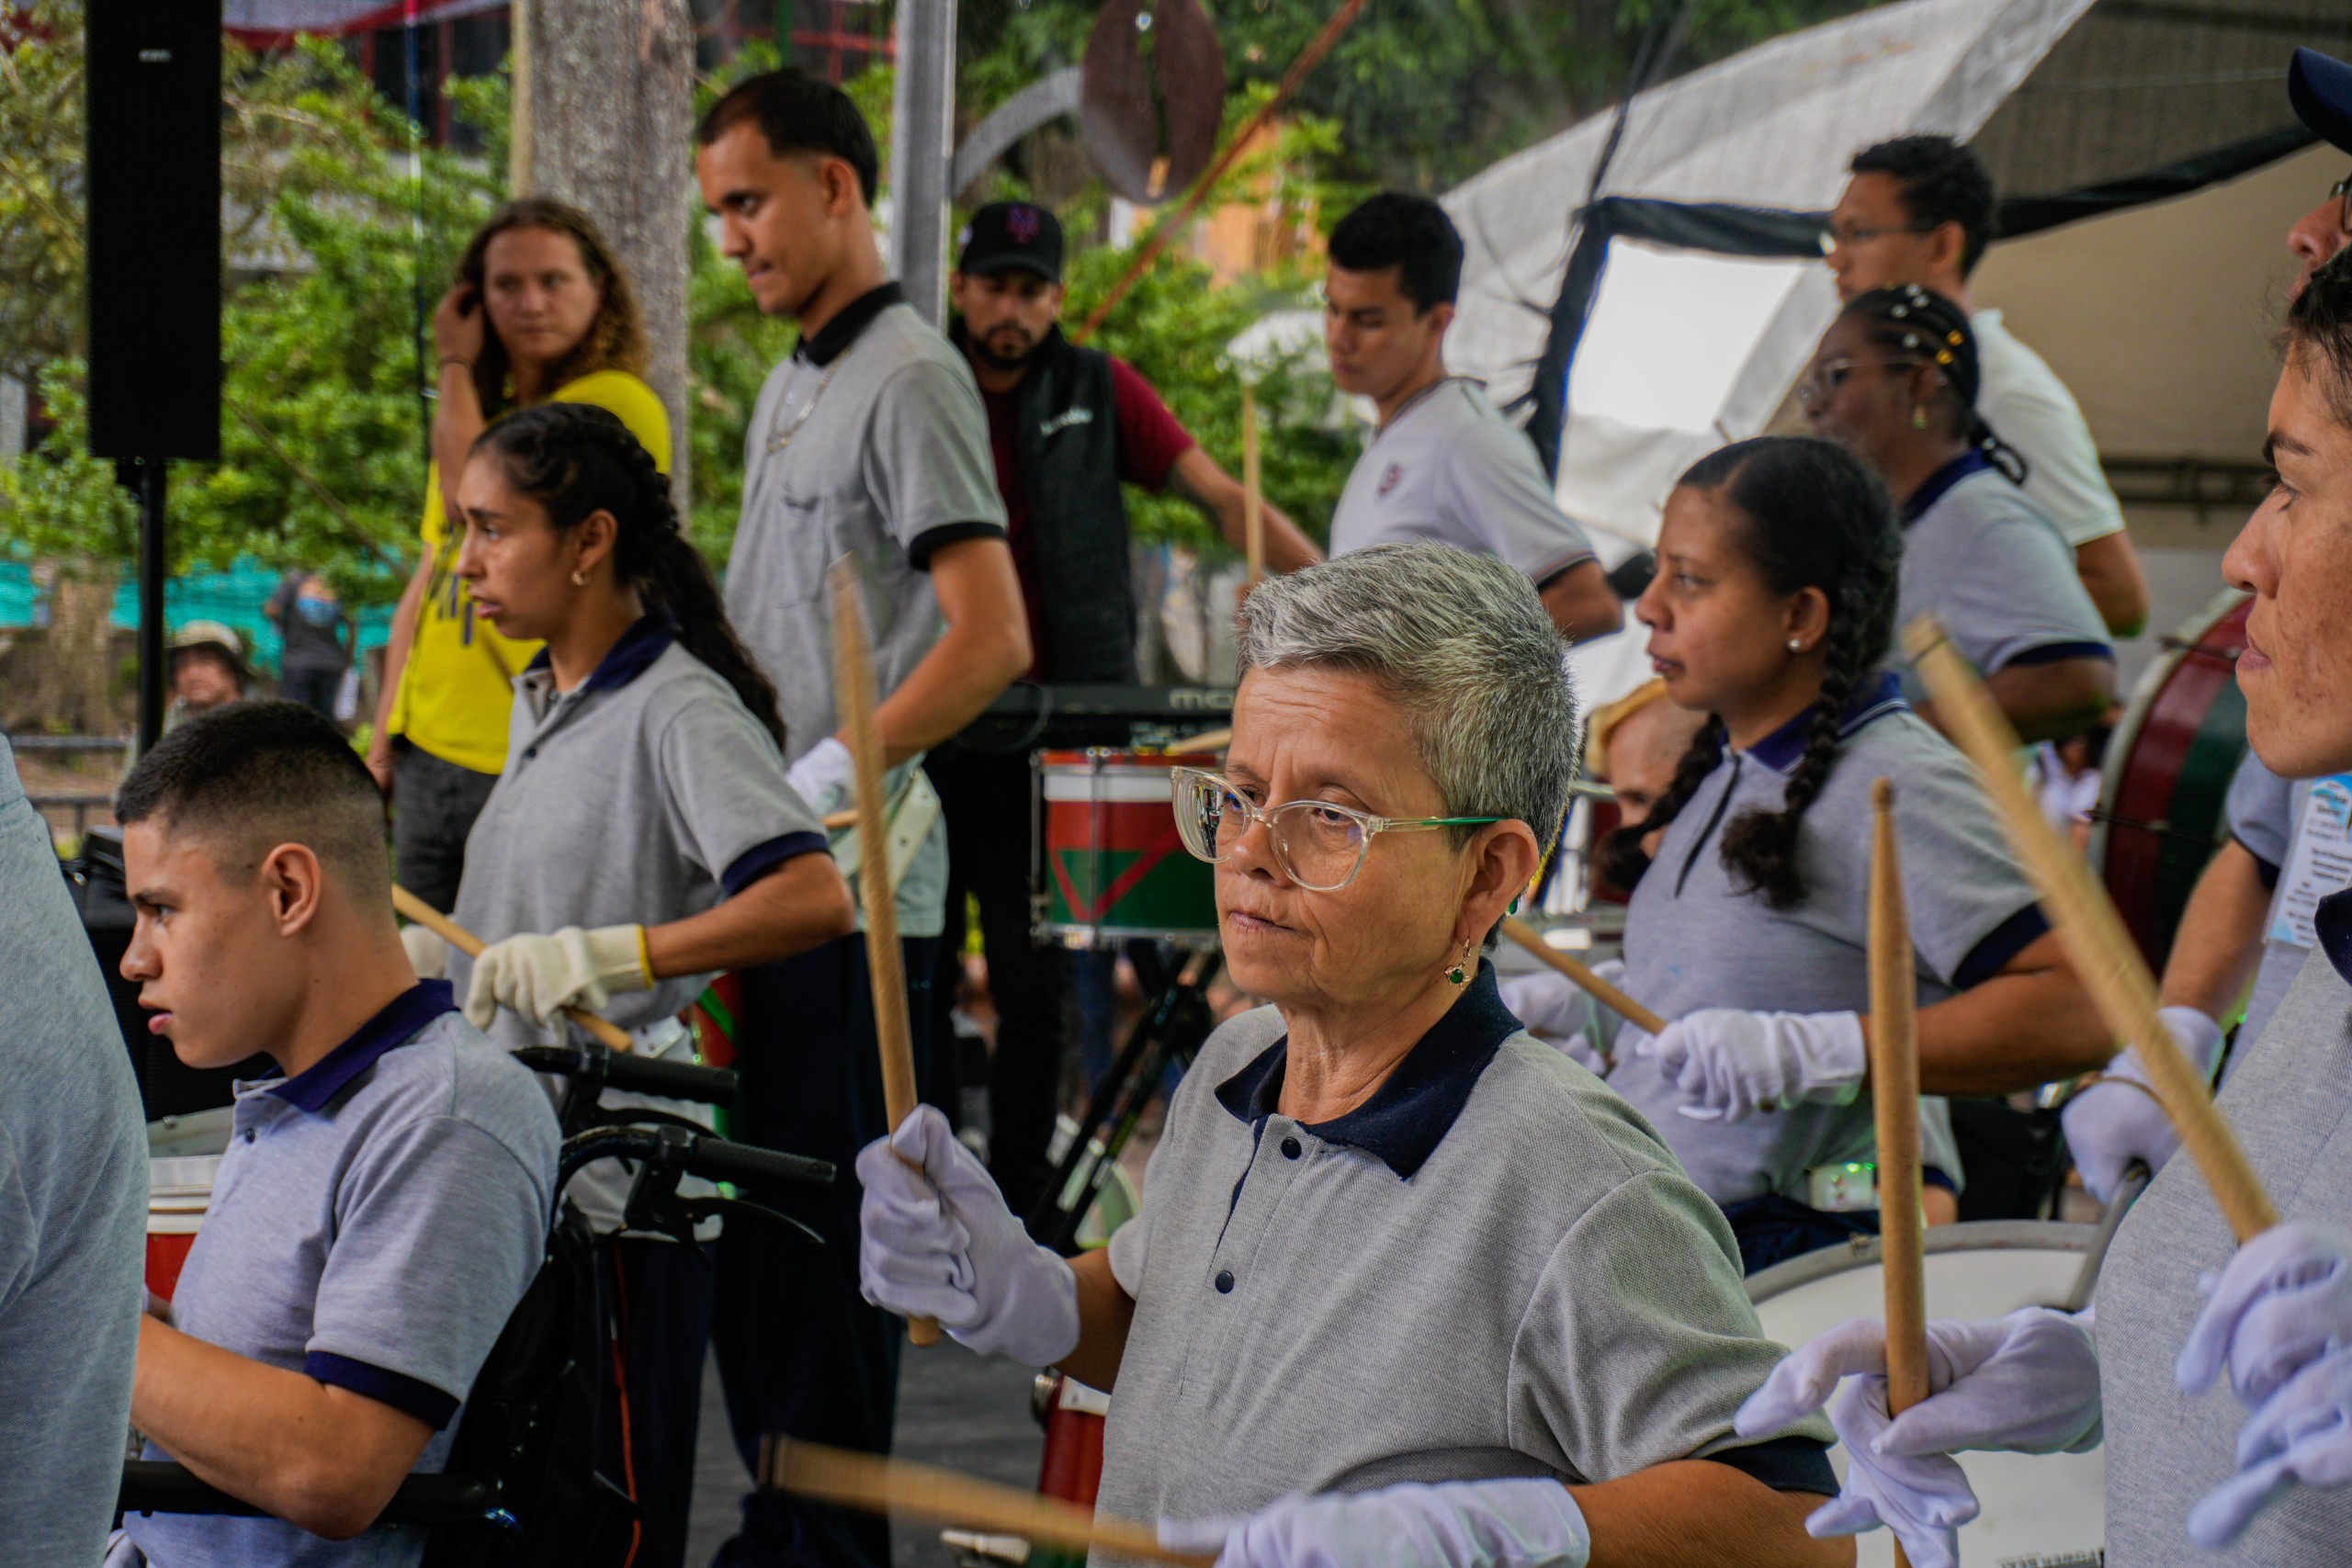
153, 186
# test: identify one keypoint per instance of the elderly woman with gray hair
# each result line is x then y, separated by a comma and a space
1408, 1286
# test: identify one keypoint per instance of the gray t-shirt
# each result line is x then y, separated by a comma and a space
1694, 939
1493, 1268
1449, 469
2165, 1448
2295, 827
876, 449
373, 1223
645, 794
1993, 570
73, 1211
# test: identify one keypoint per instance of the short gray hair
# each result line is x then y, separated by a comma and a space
1468, 651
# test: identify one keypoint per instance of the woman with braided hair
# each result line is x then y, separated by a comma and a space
1895, 381
643, 837
1771, 613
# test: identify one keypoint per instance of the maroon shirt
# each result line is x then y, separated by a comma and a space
1150, 440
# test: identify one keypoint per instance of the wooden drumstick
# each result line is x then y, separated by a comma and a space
2096, 943
1206, 740
609, 1034
853, 694
1894, 1096
880, 1486
1253, 521
1609, 995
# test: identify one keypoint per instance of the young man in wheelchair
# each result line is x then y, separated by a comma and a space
384, 1200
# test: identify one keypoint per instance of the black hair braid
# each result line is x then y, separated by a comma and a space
1623, 859
575, 459
1907, 319
1761, 847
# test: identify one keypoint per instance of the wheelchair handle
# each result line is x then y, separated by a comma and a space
634, 1074
714, 1159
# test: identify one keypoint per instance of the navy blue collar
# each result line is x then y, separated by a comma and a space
2332, 920
1939, 482
832, 340
1410, 1116
398, 1024
1874, 700
648, 637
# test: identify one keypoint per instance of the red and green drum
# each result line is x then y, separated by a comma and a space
1113, 868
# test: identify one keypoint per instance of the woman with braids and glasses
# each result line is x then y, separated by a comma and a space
643, 837
1895, 381
1771, 612
1410, 1287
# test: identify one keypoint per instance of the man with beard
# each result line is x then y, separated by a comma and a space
1067, 427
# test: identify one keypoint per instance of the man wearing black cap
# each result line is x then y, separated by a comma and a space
1067, 427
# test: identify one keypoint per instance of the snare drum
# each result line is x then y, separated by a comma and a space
1113, 868
2036, 1506
179, 1194
2166, 778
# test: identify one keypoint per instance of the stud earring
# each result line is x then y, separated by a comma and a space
1796, 645
1919, 419
580, 580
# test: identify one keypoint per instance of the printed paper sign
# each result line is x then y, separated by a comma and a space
2321, 863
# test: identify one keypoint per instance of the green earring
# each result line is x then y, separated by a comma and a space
1457, 973
1919, 418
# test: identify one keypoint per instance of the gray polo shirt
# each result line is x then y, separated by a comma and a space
1993, 570
1492, 1268
2295, 830
645, 794
374, 1222
1695, 939
2165, 1448
73, 1211
1449, 469
869, 443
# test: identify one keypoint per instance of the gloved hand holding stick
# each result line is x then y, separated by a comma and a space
853, 694
412, 908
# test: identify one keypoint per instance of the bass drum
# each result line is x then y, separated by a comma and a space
2037, 1507
2167, 779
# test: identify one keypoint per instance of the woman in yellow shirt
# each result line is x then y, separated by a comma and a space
540, 312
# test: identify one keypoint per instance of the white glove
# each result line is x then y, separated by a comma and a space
2300, 1437
2111, 1124
940, 1243
2027, 1382
427, 954
1731, 1064
1565, 1015
538, 976
1529, 1523
823, 775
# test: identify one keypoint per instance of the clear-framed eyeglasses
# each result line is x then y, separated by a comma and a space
1829, 375
1318, 844
1834, 240
2340, 193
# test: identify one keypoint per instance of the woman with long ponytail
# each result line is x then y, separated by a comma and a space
1771, 613
1895, 381
643, 838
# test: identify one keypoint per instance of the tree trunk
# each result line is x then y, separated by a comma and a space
603, 119
70, 686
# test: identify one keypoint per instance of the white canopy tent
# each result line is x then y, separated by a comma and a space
1640, 330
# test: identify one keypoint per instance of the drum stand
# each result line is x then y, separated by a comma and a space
1170, 1032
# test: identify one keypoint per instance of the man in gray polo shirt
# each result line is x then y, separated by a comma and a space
72, 1202
1443, 467
383, 1203
869, 443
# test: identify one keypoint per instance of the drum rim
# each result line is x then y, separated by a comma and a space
1971, 1236
2140, 704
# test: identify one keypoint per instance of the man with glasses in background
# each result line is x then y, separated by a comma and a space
1919, 209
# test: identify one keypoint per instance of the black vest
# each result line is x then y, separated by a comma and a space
1066, 441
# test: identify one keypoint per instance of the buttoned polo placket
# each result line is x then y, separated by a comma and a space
1252, 1223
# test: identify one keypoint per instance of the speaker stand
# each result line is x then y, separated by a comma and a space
144, 476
